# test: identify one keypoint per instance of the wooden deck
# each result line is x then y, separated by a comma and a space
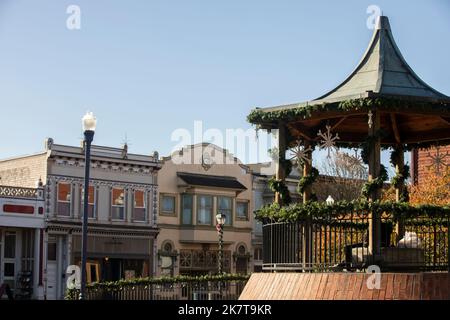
346, 286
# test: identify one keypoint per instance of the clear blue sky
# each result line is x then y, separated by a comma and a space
147, 68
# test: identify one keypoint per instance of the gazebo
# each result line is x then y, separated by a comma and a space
382, 104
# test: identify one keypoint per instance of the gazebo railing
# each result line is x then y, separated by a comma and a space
341, 243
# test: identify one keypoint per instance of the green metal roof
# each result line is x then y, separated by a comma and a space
382, 71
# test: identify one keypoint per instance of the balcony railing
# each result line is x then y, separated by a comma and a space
19, 192
340, 241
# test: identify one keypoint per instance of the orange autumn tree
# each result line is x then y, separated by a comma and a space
434, 188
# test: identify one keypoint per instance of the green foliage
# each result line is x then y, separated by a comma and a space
375, 184
116, 286
362, 208
280, 187
307, 180
398, 181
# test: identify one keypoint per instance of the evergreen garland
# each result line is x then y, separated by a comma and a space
376, 183
279, 186
358, 208
307, 180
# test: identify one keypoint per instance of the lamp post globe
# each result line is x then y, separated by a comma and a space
89, 124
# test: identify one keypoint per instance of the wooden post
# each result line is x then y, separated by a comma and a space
399, 168
374, 172
307, 166
307, 231
280, 169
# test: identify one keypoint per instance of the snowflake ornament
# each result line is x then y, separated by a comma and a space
301, 153
328, 141
438, 159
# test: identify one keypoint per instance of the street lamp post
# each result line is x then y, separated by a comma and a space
221, 219
220, 222
89, 123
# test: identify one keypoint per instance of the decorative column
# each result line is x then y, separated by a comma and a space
280, 174
374, 157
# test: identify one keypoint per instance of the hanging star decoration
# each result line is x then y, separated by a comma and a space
301, 153
438, 159
328, 141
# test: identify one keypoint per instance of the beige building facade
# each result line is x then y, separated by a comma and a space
195, 184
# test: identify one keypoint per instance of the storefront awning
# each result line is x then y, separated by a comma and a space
211, 181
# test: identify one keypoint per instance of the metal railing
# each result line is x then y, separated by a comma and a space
338, 243
191, 290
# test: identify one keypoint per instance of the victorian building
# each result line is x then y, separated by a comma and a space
122, 211
195, 184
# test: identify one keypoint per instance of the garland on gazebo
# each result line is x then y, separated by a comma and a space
358, 208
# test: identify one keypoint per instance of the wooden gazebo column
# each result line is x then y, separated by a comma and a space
280, 173
374, 172
307, 167
399, 169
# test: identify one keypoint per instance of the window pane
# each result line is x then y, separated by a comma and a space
64, 192
204, 209
118, 204
64, 196
225, 207
186, 211
51, 251
10, 245
139, 199
168, 204
91, 201
242, 210
9, 270
118, 197
139, 205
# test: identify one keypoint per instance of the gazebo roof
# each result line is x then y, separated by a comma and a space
383, 70
382, 80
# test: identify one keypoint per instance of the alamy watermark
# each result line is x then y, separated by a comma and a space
73, 22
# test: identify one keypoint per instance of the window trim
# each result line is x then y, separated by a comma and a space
247, 216
212, 217
175, 208
123, 206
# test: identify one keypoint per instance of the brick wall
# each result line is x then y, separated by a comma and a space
23, 172
426, 160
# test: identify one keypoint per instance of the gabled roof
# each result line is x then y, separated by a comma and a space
383, 70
